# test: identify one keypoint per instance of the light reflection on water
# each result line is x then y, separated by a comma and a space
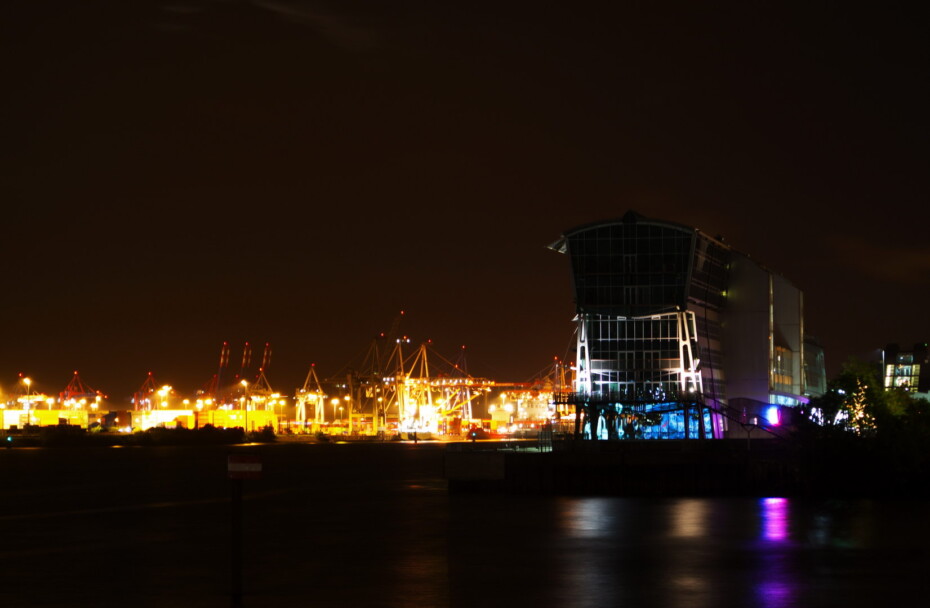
773, 552
587, 576
688, 523
776, 585
635, 552
775, 518
426, 572
348, 535
589, 517
689, 517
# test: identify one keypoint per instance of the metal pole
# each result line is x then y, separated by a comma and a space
236, 542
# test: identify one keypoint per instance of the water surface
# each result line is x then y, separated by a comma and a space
375, 526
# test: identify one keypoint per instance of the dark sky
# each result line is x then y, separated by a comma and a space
177, 174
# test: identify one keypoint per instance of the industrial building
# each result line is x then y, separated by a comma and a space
681, 336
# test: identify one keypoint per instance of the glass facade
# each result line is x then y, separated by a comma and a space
709, 276
630, 269
815, 378
782, 377
634, 357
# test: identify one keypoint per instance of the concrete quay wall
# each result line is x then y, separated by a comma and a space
632, 468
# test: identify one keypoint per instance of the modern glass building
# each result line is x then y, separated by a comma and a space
673, 326
907, 369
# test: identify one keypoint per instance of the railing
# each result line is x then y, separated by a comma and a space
512, 445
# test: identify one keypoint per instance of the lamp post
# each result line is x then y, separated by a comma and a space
348, 399
335, 403
245, 402
163, 393
276, 399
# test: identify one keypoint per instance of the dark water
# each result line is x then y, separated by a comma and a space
351, 525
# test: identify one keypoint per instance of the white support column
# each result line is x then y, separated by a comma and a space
690, 376
583, 373
301, 415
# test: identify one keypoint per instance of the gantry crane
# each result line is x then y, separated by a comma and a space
78, 395
311, 400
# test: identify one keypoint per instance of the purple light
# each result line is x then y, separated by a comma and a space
775, 593
775, 519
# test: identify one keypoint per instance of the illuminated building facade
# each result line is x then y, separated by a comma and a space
907, 369
679, 335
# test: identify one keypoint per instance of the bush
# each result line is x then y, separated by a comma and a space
263, 435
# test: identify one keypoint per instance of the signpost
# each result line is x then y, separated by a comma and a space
239, 467
244, 466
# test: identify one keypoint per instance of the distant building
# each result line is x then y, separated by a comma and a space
907, 369
681, 336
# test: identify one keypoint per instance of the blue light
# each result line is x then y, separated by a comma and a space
771, 414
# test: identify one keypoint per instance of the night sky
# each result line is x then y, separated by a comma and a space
179, 174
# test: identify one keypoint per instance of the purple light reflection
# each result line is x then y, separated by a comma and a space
776, 587
775, 519
775, 593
